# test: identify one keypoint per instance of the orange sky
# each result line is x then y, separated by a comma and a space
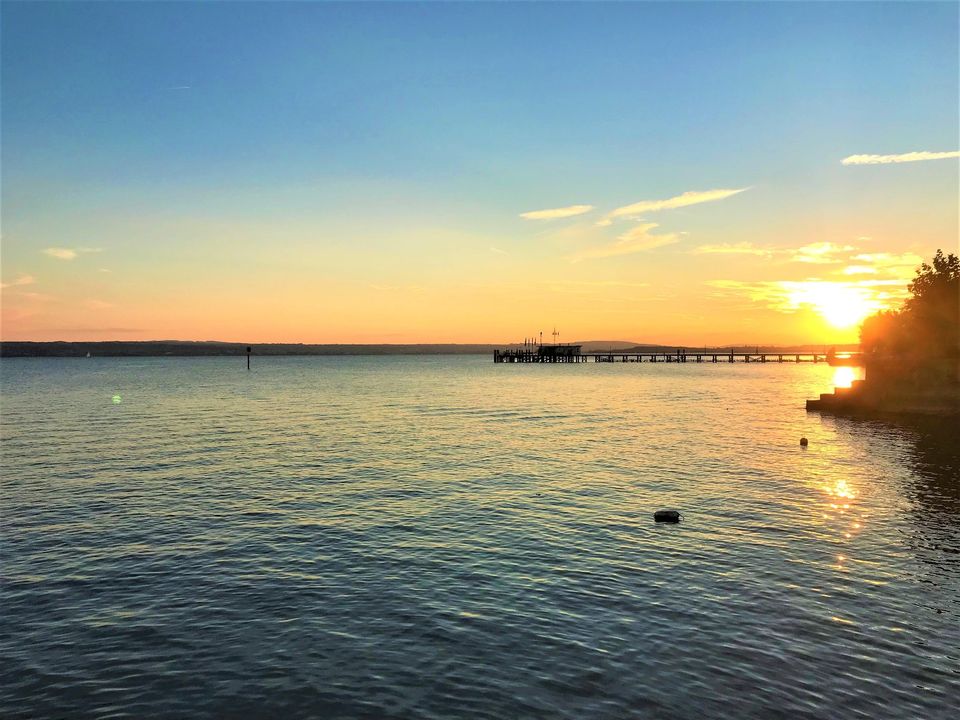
352, 177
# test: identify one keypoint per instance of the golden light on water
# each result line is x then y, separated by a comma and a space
844, 376
841, 489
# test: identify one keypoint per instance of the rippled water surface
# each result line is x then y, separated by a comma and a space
442, 537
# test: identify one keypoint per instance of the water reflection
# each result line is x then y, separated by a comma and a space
844, 376
840, 498
935, 462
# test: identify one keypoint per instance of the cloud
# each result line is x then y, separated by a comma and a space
555, 213
69, 253
902, 158
498, 251
825, 296
22, 280
891, 261
741, 248
61, 253
634, 240
693, 197
867, 283
821, 253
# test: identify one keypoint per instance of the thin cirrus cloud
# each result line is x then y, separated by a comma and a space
636, 240
557, 213
692, 197
901, 158
821, 253
20, 281
741, 248
69, 253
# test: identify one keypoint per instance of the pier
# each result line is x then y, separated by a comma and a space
573, 354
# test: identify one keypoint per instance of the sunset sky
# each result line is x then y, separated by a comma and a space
684, 173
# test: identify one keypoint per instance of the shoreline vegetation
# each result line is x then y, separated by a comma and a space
911, 355
187, 348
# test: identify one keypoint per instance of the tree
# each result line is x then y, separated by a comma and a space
928, 324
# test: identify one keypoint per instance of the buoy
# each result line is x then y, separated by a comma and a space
671, 516
803, 442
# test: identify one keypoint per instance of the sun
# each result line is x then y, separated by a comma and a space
842, 305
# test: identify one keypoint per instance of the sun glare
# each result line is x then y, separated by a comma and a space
840, 304
844, 376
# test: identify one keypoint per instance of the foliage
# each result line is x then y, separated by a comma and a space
928, 324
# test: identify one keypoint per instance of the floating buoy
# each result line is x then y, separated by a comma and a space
803, 442
671, 516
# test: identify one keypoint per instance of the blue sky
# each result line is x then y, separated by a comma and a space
387, 142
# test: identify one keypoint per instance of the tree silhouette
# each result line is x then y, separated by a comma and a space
928, 324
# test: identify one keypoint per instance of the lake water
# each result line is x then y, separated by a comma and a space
442, 537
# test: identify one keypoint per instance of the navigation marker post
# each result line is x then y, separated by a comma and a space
249, 349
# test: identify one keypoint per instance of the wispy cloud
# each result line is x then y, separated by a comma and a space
862, 284
69, 253
826, 296
634, 240
498, 251
693, 197
741, 248
821, 253
556, 213
891, 261
902, 158
93, 304
60, 253
22, 280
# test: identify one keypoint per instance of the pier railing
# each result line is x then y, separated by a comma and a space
526, 355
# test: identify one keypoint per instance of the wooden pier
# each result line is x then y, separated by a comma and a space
700, 357
572, 354
541, 354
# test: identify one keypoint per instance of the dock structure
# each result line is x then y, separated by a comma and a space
710, 357
541, 354
573, 354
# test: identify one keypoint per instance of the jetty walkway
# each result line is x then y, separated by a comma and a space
571, 354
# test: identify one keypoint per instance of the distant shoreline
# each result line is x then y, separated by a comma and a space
186, 348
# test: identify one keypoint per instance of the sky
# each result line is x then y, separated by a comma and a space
685, 173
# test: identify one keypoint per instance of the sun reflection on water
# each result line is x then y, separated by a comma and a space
841, 497
845, 376
841, 489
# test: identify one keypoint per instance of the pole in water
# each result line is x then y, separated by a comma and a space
249, 349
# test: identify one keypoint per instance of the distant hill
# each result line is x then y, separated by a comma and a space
212, 348
154, 348
599, 345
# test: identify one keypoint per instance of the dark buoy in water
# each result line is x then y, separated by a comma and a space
803, 442
670, 516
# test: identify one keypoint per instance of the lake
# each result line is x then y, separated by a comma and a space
442, 537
